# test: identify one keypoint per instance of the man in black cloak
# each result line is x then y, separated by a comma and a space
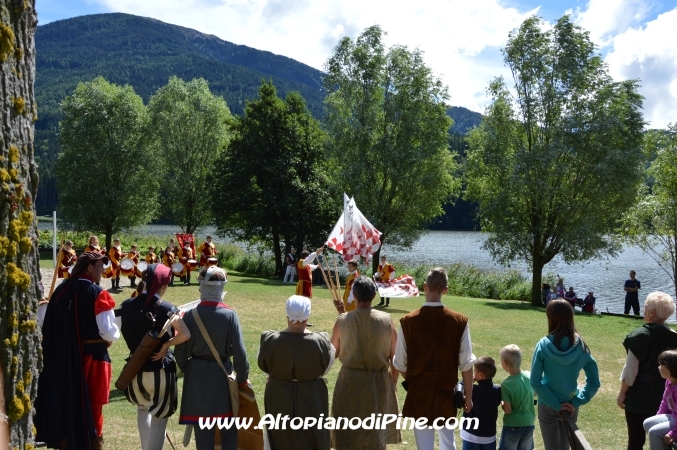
74, 383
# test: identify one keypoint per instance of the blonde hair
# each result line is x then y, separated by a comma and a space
660, 302
512, 355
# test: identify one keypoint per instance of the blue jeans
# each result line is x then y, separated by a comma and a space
472, 446
517, 438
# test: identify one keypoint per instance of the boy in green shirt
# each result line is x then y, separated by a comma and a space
518, 403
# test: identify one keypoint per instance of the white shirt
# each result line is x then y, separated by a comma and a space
465, 357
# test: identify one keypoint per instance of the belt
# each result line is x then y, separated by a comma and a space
210, 358
95, 341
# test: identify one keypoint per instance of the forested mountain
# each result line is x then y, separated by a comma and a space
144, 53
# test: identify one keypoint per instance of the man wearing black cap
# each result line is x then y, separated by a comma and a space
73, 385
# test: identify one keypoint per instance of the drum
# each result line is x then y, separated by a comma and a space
107, 270
212, 261
141, 268
127, 267
192, 264
177, 268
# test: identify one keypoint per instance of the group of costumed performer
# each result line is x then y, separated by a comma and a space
73, 386
304, 268
154, 389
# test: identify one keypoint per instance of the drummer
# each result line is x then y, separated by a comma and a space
67, 258
184, 257
134, 256
115, 255
207, 251
151, 257
168, 260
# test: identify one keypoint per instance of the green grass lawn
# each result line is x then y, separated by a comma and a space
493, 324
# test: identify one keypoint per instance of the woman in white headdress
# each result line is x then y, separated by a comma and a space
295, 360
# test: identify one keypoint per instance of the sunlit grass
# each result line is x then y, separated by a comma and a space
260, 305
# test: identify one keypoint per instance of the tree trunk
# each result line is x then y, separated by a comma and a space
109, 238
278, 253
536, 277
20, 358
376, 257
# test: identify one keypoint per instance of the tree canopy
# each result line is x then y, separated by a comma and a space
652, 223
190, 126
388, 127
107, 172
272, 184
557, 159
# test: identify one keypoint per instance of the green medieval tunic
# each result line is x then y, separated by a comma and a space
296, 363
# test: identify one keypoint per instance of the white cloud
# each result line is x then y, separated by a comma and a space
455, 34
649, 53
606, 18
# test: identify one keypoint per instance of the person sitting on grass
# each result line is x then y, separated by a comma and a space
486, 398
518, 403
570, 296
589, 303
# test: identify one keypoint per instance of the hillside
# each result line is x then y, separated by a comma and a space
144, 53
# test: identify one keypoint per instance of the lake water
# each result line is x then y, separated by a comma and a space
604, 277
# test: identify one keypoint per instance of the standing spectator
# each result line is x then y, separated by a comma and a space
74, 384
545, 290
560, 287
518, 403
486, 398
205, 387
557, 362
433, 344
290, 261
641, 383
631, 288
662, 427
295, 360
364, 340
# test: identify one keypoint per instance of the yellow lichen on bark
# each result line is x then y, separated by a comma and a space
7, 41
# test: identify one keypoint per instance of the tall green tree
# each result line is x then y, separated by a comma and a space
20, 358
107, 172
557, 159
387, 121
652, 223
190, 125
273, 184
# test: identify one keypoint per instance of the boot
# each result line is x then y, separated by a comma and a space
381, 302
188, 279
132, 282
96, 444
117, 283
387, 301
171, 280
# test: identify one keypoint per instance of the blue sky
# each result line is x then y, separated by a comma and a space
461, 39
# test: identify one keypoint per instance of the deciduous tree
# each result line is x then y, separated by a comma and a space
557, 159
190, 125
107, 176
20, 358
387, 121
652, 223
272, 185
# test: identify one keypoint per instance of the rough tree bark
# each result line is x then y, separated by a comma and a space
20, 353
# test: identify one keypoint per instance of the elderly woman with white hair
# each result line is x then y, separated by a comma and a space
641, 383
205, 388
295, 360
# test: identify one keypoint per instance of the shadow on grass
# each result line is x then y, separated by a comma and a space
264, 281
390, 309
117, 395
510, 305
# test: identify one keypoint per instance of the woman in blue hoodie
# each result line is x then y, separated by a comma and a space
558, 359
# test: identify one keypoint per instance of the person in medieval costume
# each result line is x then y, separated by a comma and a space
304, 268
67, 258
78, 328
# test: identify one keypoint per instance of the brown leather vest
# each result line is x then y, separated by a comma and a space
433, 337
